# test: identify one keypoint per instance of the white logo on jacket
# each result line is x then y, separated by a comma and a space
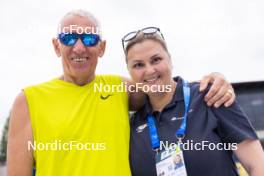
141, 128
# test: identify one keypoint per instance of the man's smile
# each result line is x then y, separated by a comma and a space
79, 59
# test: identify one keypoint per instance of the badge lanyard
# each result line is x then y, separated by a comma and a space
180, 133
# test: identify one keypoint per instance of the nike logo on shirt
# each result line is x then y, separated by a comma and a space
105, 97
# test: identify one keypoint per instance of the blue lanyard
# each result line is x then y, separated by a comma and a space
180, 133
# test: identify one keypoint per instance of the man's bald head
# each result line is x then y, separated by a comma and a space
81, 14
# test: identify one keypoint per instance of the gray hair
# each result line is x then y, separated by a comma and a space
84, 14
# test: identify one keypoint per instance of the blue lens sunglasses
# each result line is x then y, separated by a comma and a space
69, 39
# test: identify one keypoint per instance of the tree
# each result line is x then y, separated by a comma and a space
3, 143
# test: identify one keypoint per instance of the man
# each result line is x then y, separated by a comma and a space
65, 127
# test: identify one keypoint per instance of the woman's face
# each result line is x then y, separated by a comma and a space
149, 63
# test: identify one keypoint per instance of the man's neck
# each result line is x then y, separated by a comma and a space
158, 102
81, 81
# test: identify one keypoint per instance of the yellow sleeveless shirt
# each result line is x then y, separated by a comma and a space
79, 130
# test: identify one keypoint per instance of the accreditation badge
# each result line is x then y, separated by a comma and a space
170, 163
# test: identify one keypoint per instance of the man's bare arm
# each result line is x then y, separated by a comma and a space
19, 158
221, 92
251, 156
136, 99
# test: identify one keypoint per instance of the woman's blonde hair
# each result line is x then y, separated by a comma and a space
141, 37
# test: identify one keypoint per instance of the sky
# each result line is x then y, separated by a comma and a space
203, 36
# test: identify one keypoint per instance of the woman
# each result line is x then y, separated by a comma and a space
213, 135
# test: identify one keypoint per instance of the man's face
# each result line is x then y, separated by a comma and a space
79, 61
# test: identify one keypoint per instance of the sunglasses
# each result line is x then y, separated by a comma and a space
69, 39
145, 31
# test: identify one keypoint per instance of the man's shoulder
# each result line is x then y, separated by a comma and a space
109, 79
20, 99
48, 83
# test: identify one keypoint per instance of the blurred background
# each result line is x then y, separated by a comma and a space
203, 36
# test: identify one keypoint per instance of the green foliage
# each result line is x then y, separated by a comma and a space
3, 143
